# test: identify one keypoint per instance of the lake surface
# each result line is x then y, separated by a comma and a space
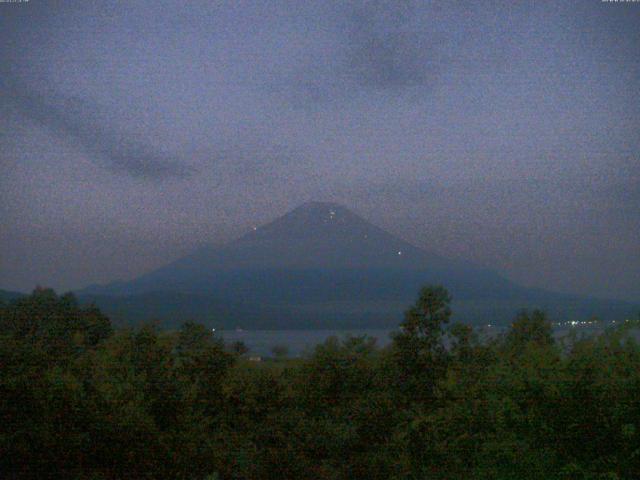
300, 342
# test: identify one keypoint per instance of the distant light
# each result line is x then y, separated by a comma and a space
213, 329
399, 252
255, 228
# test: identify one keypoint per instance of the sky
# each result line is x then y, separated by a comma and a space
504, 133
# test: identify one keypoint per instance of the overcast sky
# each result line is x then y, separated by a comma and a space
506, 133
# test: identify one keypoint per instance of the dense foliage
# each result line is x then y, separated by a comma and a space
79, 400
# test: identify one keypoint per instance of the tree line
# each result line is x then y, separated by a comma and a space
79, 399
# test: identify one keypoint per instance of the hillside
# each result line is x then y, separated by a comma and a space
7, 295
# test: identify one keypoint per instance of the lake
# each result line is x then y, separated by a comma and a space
260, 342
299, 342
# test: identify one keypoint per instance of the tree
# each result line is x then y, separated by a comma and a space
280, 352
56, 325
529, 329
419, 346
239, 348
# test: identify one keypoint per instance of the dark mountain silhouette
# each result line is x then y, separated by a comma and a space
7, 295
321, 265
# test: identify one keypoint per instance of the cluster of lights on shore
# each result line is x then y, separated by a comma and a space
577, 323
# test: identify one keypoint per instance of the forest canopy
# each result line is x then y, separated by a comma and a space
80, 399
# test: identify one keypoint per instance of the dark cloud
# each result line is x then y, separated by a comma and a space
380, 47
77, 120
388, 47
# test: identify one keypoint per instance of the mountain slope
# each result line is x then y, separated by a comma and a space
8, 296
321, 265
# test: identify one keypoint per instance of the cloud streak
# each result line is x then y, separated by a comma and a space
79, 121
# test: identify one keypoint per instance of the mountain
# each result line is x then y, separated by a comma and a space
8, 296
322, 266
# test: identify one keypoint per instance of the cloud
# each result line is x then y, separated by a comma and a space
365, 48
388, 48
82, 123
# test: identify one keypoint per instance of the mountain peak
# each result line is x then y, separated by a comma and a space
322, 235
313, 219
315, 205
321, 211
